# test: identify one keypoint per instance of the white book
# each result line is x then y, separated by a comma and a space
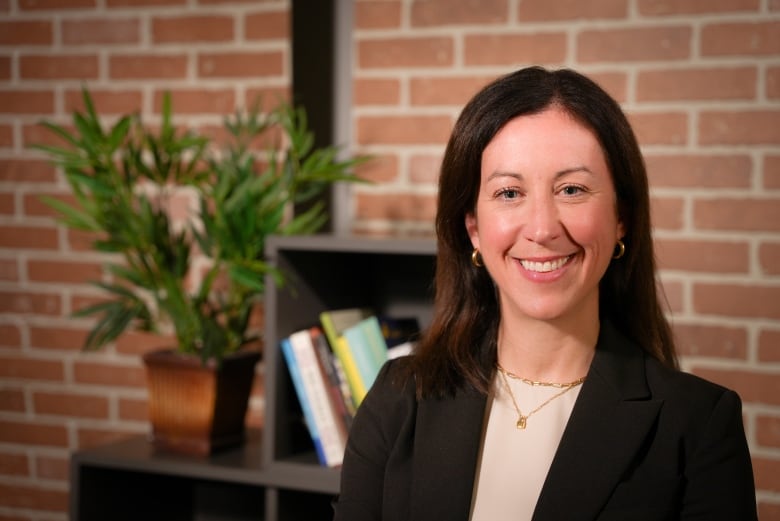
332, 438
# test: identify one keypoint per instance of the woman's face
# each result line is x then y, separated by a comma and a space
546, 220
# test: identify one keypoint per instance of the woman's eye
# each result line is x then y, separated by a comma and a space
508, 193
572, 190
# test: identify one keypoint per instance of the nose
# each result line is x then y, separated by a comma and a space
542, 221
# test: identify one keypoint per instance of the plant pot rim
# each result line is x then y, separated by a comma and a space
172, 356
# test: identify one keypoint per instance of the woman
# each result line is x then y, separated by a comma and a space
546, 386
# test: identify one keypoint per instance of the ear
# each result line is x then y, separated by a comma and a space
621, 229
472, 229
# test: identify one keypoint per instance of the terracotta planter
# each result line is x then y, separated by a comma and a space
196, 408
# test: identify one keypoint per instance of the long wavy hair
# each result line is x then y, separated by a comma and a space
458, 349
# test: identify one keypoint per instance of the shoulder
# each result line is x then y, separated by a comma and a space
392, 395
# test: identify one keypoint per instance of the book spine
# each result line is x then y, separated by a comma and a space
342, 402
332, 439
295, 376
357, 343
356, 387
377, 345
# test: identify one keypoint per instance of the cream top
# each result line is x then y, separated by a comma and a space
514, 463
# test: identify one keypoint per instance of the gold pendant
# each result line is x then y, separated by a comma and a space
521, 422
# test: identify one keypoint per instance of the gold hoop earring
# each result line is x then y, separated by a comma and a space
621, 250
475, 258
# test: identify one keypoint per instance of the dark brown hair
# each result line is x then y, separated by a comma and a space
458, 349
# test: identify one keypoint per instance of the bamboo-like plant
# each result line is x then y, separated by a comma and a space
123, 179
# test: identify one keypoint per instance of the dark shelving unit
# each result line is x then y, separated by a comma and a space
273, 476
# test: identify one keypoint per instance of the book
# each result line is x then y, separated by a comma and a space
330, 431
334, 322
300, 392
340, 396
368, 347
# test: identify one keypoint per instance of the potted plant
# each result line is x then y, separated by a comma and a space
126, 180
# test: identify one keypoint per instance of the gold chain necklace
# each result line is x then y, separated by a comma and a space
522, 419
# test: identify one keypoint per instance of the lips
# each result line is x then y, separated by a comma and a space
545, 266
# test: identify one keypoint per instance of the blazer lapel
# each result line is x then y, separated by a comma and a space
446, 446
611, 418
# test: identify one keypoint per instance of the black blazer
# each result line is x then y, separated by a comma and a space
643, 443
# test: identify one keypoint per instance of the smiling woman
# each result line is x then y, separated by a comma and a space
546, 386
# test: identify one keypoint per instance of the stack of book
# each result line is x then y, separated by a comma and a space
334, 363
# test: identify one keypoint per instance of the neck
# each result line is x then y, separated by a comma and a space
547, 351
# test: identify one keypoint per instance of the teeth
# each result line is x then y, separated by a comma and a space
544, 267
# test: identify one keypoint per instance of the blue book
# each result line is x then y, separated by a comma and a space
295, 375
368, 348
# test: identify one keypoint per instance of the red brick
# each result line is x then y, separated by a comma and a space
768, 511
703, 255
424, 169
5, 68
9, 270
71, 404
14, 464
10, 336
769, 345
660, 128
101, 31
31, 369
376, 91
52, 467
634, 45
26, 102
26, 302
697, 84
771, 171
431, 51
34, 496
667, 212
37, 134
749, 127
29, 237
266, 98
21, 32
58, 67
210, 101
37, 433
753, 387
615, 83
27, 171
403, 130
40, 5
511, 49
711, 341
106, 102
7, 204
131, 409
64, 271
699, 171
396, 207
147, 66
143, 3
192, 29
12, 400
140, 342
737, 214
428, 13
740, 39
767, 474
267, 26
677, 7
773, 82
546, 11
768, 431
99, 373
445, 90
672, 295
380, 169
59, 338
237, 65
737, 300
769, 258
6, 131
377, 14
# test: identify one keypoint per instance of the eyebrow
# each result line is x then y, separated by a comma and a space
558, 175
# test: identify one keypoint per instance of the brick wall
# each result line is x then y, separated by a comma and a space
699, 80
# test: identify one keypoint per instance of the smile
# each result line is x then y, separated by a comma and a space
546, 266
